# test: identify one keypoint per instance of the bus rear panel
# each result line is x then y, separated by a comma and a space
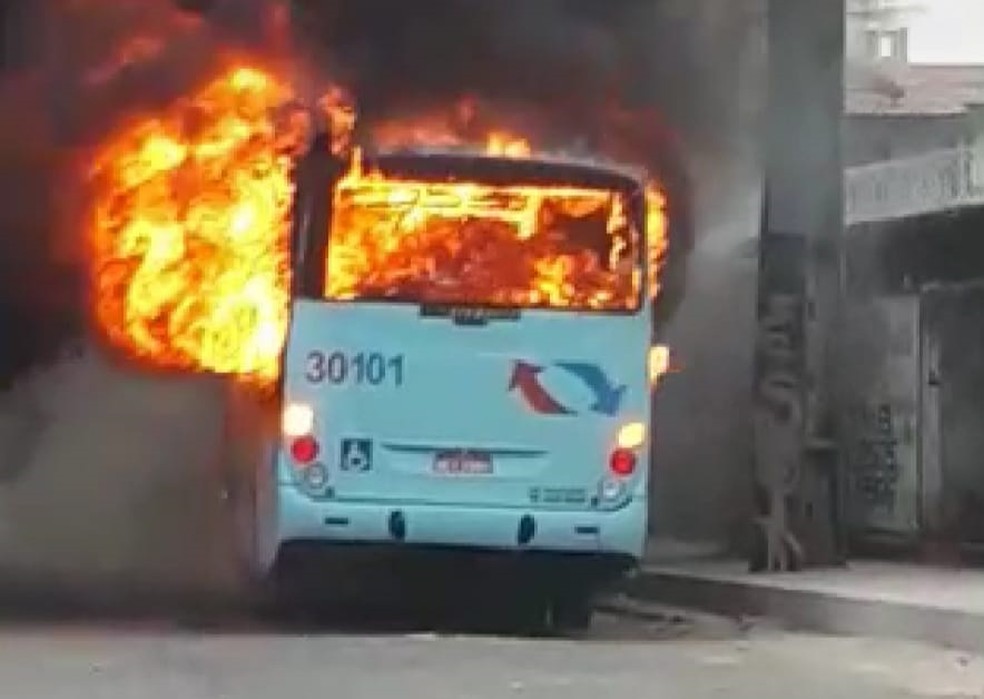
442, 406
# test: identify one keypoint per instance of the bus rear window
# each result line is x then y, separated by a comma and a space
471, 244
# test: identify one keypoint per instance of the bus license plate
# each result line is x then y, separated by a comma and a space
463, 463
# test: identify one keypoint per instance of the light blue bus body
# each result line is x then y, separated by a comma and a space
465, 431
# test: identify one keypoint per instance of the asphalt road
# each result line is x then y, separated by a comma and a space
668, 656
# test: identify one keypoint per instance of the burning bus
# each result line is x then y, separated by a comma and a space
465, 372
436, 352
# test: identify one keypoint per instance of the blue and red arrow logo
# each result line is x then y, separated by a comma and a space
526, 379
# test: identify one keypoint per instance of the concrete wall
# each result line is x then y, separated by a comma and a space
955, 318
872, 138
935, 259
880, 399
913, 417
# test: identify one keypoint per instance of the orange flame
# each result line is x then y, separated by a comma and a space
189, 230
657, 236
444, 130
470, 243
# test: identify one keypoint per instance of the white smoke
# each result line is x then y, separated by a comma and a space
106, 479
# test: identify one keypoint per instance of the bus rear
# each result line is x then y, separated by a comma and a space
468, 369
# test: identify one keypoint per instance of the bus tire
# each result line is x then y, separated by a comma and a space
280, 594
530, 618
571, 612
277, 600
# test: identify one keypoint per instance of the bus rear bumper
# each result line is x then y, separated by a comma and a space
610, 534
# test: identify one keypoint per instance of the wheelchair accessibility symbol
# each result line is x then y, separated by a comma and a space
356, 455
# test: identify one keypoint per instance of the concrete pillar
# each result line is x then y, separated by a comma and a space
799, 287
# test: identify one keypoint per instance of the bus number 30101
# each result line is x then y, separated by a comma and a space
370, 368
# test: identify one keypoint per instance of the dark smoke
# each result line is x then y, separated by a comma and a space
72, 72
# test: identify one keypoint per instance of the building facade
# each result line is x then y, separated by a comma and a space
914, 331
896, 108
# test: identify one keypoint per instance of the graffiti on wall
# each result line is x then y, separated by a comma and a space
780, 358
779, 388
881, 414
876, 460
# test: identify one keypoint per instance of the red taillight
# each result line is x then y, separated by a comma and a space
305, 449
622, 462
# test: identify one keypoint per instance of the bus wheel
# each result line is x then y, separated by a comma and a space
571, 612
530, 617
279, 596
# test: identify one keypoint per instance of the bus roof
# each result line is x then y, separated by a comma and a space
504, 171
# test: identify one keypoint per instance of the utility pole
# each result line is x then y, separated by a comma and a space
797, 464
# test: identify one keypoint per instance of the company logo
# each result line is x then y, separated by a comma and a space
526, 381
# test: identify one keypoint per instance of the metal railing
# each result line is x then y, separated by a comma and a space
938, 181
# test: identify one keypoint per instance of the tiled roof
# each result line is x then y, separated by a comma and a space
912, 90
